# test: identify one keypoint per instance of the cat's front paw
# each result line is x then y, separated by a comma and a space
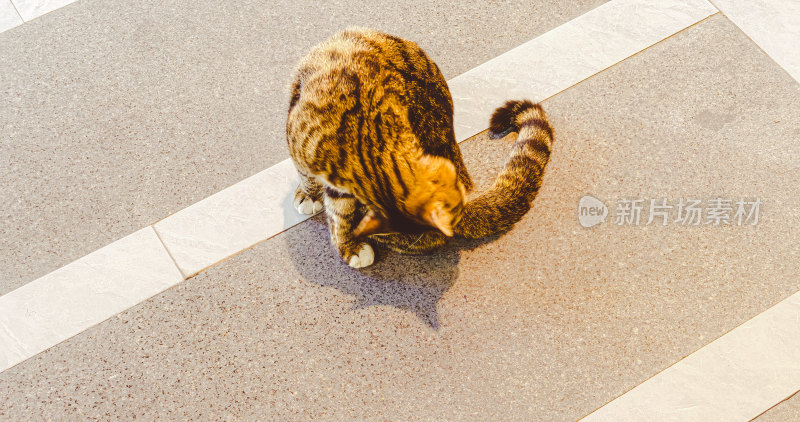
363, 256
306, 204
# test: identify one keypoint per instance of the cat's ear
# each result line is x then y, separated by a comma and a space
437, 216
372, 223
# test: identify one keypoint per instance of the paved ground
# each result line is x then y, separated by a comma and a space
788, 410
548, 322
116, 114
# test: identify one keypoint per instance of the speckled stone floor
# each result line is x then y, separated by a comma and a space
785, 411
116, 114
547, 322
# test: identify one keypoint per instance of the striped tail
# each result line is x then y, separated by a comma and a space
510, 197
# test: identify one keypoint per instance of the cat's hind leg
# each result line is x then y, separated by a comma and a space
342, 210
308, 196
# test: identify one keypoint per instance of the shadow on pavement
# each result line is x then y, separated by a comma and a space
411, 283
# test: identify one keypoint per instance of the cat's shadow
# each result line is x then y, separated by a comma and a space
410, 283
407, 282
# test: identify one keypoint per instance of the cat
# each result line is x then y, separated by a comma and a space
370, 132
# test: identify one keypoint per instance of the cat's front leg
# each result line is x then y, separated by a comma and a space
308, 196
341, 209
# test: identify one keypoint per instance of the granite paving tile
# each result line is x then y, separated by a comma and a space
549, 321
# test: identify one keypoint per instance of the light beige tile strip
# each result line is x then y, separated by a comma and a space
259, 207
233, 219
90, 290
734, 378
31, 9
568, 54
773, 24
9, 17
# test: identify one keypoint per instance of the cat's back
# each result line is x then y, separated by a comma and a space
360, 74
354, 51
367, 54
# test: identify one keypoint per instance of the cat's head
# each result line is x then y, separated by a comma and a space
435, 198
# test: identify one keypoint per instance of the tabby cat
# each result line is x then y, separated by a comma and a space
370, 131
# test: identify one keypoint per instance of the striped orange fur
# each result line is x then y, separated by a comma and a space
370, 131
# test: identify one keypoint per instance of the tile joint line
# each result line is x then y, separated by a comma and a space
777, 404
17, 10
746, 34
168, 252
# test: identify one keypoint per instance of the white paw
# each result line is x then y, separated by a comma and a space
364, 258
307, 205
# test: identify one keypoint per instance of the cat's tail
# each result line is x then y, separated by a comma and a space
510, 197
